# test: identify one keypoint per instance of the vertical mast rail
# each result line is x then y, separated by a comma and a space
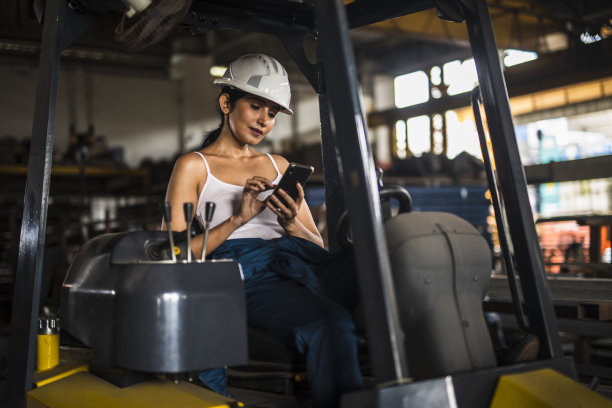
385, 335
512, 183
334, 194
26, 297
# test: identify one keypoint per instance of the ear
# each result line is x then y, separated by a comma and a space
224, 103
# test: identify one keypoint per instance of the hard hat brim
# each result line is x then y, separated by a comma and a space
221, 82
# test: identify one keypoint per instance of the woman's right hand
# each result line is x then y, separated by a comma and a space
251, 205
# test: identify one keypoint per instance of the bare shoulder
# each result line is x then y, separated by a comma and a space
281, 162
189, 166
190, 162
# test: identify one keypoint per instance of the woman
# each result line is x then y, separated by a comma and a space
295, 290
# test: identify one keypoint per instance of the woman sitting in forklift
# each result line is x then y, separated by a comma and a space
295, 289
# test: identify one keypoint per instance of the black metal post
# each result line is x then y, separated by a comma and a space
385, 335
512, 183
500, 215
26, 298
334, 192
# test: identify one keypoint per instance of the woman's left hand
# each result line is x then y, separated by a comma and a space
286, 209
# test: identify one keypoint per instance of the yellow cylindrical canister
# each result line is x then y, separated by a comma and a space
48, 343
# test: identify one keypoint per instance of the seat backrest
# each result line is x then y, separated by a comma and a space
441, 267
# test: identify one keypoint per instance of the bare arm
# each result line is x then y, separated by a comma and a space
295, 217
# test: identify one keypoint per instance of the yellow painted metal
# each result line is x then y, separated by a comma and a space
61, 375
544, 388
86, 390
47, 355
71, 360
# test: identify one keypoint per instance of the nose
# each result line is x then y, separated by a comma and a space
264, 117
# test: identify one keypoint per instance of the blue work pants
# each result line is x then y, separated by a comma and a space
304, 296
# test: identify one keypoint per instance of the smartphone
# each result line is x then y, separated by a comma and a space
295, 173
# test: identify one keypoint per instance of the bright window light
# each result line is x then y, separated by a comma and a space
516, 57
419, 135
400, 139
462, 135
460, 76
411, 89
217, 71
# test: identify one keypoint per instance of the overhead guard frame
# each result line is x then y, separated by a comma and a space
348, 165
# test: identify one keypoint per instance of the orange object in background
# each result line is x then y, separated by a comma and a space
605, 249
563, 242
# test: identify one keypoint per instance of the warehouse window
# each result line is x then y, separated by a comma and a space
461, 131
435, 76
419, 135
411, 89
460, 76
400, 139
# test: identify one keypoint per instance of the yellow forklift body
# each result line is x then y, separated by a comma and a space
544, 388
84, 389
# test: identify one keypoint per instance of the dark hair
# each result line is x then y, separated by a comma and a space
233, 94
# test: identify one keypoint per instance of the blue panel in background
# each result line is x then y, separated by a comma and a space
467, 202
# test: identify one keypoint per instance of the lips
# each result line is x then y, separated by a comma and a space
256, 131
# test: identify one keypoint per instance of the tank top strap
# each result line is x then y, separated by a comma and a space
205, 162
278, 173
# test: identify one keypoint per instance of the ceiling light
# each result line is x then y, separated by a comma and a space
516, 57
589, 38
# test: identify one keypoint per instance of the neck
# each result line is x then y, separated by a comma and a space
228, 145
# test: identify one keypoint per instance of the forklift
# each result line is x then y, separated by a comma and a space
433, 352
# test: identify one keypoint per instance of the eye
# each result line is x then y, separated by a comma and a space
272, 114
255, 106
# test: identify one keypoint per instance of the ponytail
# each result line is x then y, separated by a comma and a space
234, 94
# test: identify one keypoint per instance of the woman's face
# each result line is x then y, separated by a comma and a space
252, 118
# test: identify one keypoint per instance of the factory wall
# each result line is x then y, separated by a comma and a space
143, 116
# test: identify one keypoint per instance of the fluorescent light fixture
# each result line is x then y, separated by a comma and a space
516, 57
217, 71
589, 38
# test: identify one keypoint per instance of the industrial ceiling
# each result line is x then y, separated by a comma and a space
560, 31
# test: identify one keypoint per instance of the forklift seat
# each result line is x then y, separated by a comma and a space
441, 266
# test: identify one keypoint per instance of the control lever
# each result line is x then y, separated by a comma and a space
209, 211
168, 218
188, 209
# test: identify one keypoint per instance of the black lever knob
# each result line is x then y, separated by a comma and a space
188, 209
168, 217
167, 212
209, 210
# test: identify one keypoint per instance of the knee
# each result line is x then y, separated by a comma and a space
332, 323
338, 319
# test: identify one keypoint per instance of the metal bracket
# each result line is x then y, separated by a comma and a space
288, 21
453, 10
312, 72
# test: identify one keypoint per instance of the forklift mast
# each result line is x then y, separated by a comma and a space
349, 171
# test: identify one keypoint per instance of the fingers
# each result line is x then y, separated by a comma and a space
276, 206
287, 207
300, 190
258, 184
264, 180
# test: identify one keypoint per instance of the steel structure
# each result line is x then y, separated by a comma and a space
349, 172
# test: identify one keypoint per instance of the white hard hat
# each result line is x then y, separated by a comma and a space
259, 75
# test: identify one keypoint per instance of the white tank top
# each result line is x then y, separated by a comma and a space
227, 198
